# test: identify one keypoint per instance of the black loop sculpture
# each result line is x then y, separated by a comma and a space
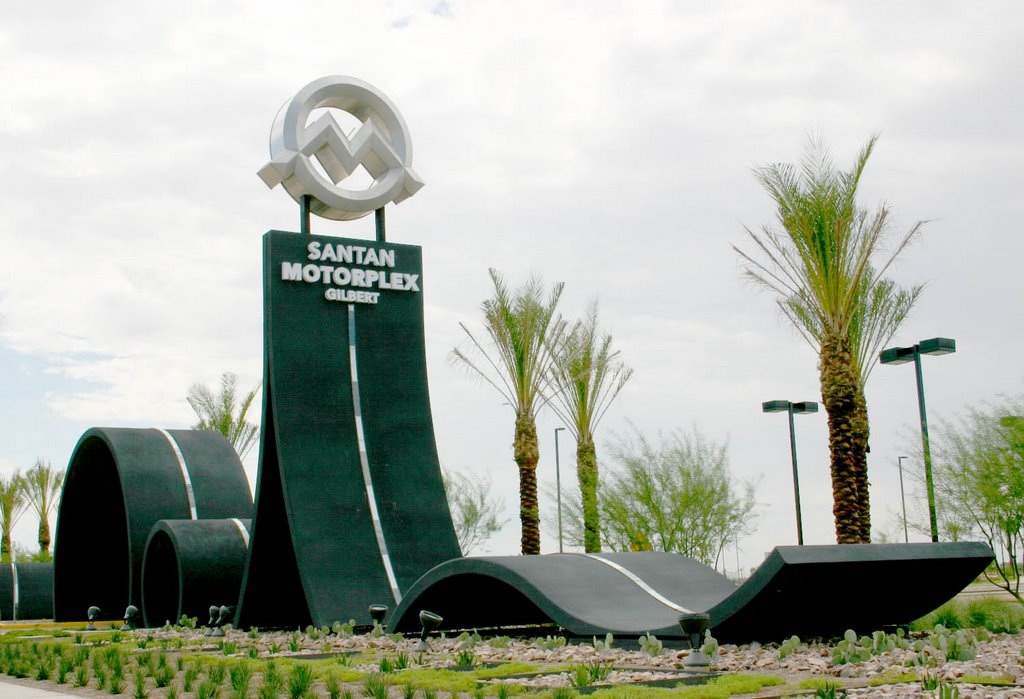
190, 564
26, 590
119, 483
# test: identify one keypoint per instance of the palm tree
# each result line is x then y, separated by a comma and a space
587, 376
42, 488
12, 506
820, 260
218, 412
515, 359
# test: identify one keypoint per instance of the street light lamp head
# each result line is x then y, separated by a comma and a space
896, 355
775, 406
938, 345
805, 406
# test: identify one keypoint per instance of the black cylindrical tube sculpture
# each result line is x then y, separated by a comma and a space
119, 483
190, 565
26, 591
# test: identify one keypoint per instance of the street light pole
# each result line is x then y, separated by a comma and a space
902, 355
906, 536
807, 406
558, 488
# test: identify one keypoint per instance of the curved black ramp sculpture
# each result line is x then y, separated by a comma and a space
119, 483
26, 591
190, 565
627, 594
824, 590
804, 590
350, 507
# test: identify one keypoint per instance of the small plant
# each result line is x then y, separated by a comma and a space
229, 647
408, 691
385, 665
563, 693
241, 675
313, 633
465, 659
599, 646
503, 642
293, 642
300, 681
78, 639
139, 691
64, 668
115, 637
428, 693
208, 690
172, 691
216, 674
830, 690
710, 647
929, 681
504, 690
344, 630
253, 633
550, 642
947, 690
275, 648
43, 670
650, 644
188, 623
191, 674
163, 676
332, 685
81, 677
115, 685
375, 687
252, 652
588, 674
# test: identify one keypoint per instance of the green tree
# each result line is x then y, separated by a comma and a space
475, 514
223, 412
513, 356
825, 260
12, 506
586, 377
980, 484
42, 485
675, 494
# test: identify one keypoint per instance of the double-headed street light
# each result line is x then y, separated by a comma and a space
558, 488
906, 535
807, 406
902, 355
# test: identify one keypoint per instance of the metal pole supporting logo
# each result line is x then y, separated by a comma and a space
381, 145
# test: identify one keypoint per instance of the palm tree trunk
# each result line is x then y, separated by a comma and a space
526, 454
586, 471
5, 546
847, 438
861, 465
44, 535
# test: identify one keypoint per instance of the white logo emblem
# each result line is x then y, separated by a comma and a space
381, 145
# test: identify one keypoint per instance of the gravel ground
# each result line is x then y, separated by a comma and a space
999, 658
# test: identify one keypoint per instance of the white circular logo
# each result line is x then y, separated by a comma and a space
381, 145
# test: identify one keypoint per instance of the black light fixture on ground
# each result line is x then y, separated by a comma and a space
807, 406
902, 355
558, 488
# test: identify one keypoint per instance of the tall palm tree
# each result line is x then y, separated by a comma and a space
515, 359
12, 506
218, 412
586, 377
821, 261
42, 488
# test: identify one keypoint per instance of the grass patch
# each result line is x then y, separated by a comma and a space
990, 613
504, 670
894, 678
438, 679
718, 688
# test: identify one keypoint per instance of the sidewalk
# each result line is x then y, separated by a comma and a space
11, 689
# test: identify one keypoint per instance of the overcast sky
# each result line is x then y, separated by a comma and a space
608, 145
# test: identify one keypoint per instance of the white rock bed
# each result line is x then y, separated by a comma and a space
998, 657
